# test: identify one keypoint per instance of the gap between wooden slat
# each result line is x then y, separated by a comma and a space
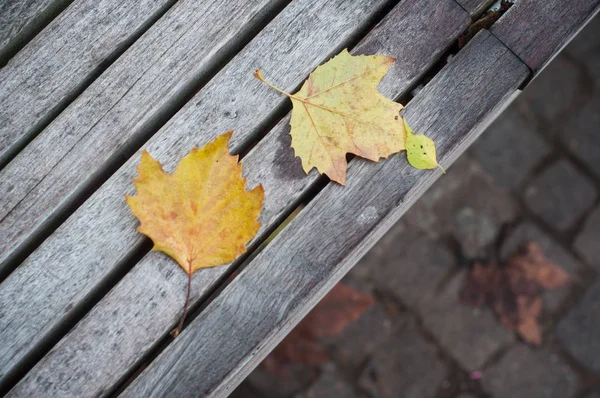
30, 29
475, 7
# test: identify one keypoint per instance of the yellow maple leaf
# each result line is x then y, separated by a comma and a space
338, 110
201, 215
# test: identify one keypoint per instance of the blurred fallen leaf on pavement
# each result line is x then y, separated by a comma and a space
513, 289
339, 308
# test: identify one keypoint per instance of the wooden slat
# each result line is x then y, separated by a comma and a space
146, 303
21, 19
535, 30
475, 7
52, 68
322, 243
185, 46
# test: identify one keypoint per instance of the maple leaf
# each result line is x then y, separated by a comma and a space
342, 306
338, 110
534, 266
201, 215
513, 289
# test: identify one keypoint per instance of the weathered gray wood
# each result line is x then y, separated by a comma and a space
322, 243
475, 7
146, 303
52, 68
16, 14
535, 30
182, 47
281, 49
21, 19
122, 105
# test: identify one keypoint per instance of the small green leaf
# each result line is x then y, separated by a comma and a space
420, 150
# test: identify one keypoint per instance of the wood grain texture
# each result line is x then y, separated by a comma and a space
20, 19
15, 14
174, 51
101, 234
119, 107
45, 74
147, 302
322, 243
475, 7
535, 30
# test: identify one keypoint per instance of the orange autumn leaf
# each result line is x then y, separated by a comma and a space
513, 289
341, 307
201, 215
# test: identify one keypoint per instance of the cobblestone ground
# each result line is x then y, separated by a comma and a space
538, 169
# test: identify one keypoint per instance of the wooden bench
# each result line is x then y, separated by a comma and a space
85, 308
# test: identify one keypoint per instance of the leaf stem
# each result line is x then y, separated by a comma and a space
259, 76
175, 332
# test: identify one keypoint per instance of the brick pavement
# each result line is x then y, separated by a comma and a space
537, 168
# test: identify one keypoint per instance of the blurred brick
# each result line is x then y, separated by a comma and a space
586, 48
560, 195
526, 373
361, 338
553, 299
469, 334
405, 366
387, 250
474, 231
579, 331
591, 395
587, 242
509, 148
550, 95
329, 384
409, 268
244, 390
581, 133
296, 379
464, 203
